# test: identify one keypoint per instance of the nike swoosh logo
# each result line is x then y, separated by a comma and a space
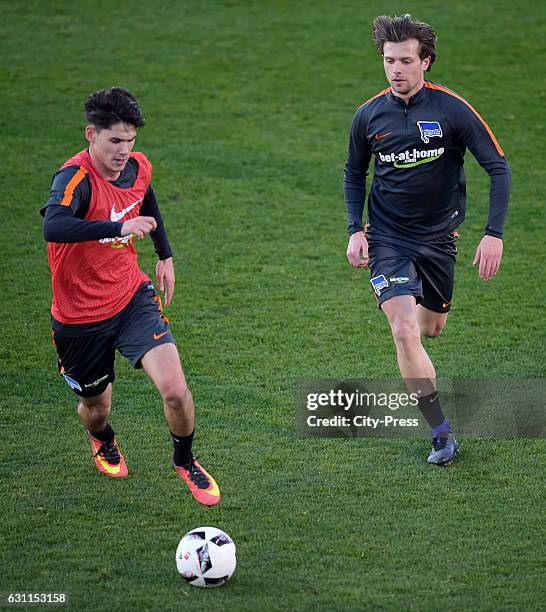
157, 336
117, 216
111, 469
444, 305
381, 136
215, 491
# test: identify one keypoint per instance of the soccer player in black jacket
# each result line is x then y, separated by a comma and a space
418, 132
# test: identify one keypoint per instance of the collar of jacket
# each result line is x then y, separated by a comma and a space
415, 99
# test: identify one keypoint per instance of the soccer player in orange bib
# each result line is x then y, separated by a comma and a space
100, 202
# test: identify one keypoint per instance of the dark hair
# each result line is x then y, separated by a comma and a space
399, 29
106, 107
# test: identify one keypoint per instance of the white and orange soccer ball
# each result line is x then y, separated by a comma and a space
205, 557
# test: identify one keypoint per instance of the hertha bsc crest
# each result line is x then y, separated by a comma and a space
378, 283
429, 129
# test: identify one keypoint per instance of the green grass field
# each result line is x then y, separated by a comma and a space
248, 107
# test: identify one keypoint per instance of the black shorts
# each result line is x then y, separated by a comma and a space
87, 351
402, 266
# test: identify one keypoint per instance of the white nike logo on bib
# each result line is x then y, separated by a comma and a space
117, 216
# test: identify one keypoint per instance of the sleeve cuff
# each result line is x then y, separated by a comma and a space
492, 232
353, 229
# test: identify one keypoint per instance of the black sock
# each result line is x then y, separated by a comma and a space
182, 449
104, 435
430, 408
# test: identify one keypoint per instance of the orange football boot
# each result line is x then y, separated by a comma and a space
108, 458
202, 485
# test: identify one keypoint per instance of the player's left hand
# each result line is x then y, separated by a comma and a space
164, 273
488, 255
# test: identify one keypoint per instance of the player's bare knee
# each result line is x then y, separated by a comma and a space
405, 332
98, 406
177, 396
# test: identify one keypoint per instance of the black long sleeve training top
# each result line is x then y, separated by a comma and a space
419, 188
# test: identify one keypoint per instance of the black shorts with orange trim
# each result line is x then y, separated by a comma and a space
87, 351
402, 266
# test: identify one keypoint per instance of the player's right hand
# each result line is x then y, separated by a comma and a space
139, 227
357, 250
